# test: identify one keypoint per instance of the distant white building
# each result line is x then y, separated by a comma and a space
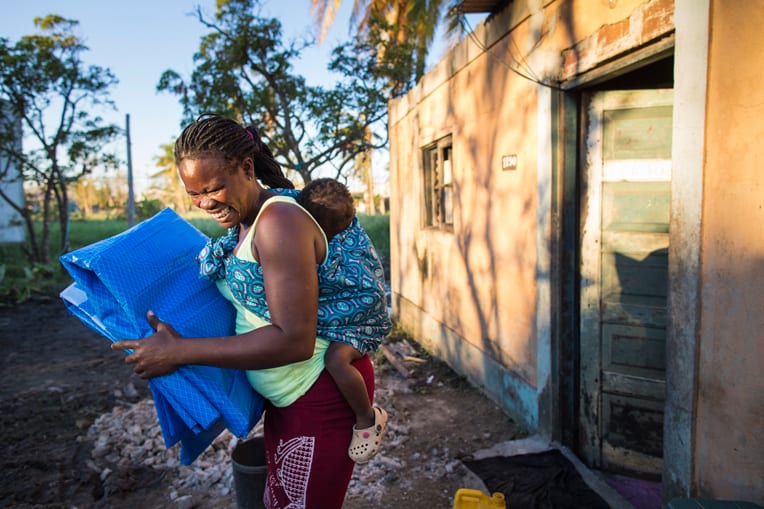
11, 224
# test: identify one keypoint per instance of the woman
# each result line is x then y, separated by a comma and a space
275, 247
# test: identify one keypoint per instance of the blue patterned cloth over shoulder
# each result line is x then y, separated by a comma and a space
352, 307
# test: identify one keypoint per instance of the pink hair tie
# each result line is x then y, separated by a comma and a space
251, 136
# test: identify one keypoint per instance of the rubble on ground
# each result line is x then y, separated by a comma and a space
129, 437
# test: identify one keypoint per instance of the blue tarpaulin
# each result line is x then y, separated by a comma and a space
152, 266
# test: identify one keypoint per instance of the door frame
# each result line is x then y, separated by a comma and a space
595, 172
689, 46
567, 190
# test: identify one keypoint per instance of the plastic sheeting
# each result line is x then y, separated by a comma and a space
153, 266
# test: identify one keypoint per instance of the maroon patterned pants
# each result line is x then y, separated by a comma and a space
306, 446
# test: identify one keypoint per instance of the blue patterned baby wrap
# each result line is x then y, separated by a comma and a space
352, 307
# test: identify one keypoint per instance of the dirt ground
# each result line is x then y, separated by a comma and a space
57, 377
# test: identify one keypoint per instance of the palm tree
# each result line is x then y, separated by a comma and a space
417, 19
363, 172
167, 182
395, 28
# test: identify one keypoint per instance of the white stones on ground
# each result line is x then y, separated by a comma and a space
130, 436
184, 502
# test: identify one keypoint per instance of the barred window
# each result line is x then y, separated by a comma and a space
438, 185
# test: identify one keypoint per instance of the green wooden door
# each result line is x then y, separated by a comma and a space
624, 278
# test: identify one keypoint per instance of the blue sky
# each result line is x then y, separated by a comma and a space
139, 39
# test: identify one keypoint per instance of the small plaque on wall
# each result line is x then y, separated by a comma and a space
509, 162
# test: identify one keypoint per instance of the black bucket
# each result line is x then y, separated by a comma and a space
248, 459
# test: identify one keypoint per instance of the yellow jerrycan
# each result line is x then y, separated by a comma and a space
475, 499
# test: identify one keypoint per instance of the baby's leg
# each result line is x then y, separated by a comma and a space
338, 359
370, 422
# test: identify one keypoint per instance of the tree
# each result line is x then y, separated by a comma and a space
84, 192
166, 184
363, 172
96, 193
410, 22
244, 70
54, 96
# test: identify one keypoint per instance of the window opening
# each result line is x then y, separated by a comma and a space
439, 188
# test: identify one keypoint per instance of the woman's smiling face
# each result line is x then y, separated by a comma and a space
226, 192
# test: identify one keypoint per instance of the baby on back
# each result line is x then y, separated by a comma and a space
331, 205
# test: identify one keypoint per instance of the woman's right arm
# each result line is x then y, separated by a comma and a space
287, 246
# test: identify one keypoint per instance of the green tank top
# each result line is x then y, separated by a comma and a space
282, 385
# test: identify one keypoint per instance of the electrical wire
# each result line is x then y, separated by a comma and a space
527, 72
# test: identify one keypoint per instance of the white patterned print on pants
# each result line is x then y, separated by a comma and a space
294, 459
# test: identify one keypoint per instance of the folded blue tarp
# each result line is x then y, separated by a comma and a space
152, 266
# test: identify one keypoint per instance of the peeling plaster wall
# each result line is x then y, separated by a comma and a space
729, 460
478, 296
626, 26
690, 76
478, 281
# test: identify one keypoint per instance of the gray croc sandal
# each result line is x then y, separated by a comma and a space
366, 442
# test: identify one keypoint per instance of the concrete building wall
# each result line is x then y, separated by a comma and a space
478, 296
729, 443
473, 295
11, 224
12, 228
470, 294
692, 18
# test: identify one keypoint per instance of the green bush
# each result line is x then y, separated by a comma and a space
18, 283
20, 279
146, 208
378, 229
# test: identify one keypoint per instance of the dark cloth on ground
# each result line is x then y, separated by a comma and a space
546, 480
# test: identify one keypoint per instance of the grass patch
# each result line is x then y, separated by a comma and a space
206, 225
19, 280
378, 229
85, 232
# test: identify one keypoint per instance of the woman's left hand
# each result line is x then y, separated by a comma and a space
152, 356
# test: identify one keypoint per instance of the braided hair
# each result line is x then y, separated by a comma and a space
216, 135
